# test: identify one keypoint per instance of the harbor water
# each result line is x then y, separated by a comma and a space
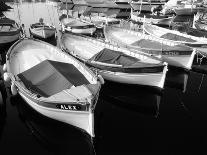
128, 119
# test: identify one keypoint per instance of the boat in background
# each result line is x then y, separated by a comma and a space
175, 55
67, 1
10, 31
115, 64
100, 21
53, 83
186, 10
175, 36
147, 6
157, 19
42, 30
75, 25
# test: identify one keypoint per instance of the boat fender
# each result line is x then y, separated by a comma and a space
13, 89
101, 79
4, 68
6, 77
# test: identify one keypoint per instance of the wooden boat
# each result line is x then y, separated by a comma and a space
185, 11
201, 25
122, 1
175, 55
10, 31
53, 83
151, 18
75, 25
42, 30
100, 21
96, 3
175, 36
145, 5
114, 63
67, 1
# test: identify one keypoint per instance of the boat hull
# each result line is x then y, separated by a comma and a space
4, 39
42, 32
72, 105
171, 57
159, 21
185, 11
81, 31
81, 120
145, 6
145, 79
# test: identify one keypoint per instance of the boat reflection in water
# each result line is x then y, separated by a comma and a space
3, 112
140, 99
54, 136
177, 79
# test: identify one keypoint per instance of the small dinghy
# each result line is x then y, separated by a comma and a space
151, 18
100, 21
114, 63
175, 36
42, 30
78, 26
53, 83
175, 55
10, 31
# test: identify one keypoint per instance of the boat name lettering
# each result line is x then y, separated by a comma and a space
170, 53
68, 107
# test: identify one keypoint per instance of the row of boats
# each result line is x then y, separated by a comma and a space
64, 83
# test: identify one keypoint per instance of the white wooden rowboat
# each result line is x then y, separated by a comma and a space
174, 54
114, 63
53, 83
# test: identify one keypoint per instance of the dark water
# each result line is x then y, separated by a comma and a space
128, 119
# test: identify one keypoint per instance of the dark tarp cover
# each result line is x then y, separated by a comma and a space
129, 64
114, 57
7, 21
149, 44
50, 77
175, 37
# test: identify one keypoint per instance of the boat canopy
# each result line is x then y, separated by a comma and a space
51, 77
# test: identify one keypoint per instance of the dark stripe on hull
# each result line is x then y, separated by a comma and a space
58, 106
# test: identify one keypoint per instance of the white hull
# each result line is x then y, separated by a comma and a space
182, 61
43, 33
8, 39
81, 31
145, 79
82, 120
160, 21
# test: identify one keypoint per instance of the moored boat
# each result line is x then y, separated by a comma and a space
116, 64
175, 36
42, 30
10, 31
145, 5
75, 25
185, 11
100, 21
175, 55
157, 19
53, 83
